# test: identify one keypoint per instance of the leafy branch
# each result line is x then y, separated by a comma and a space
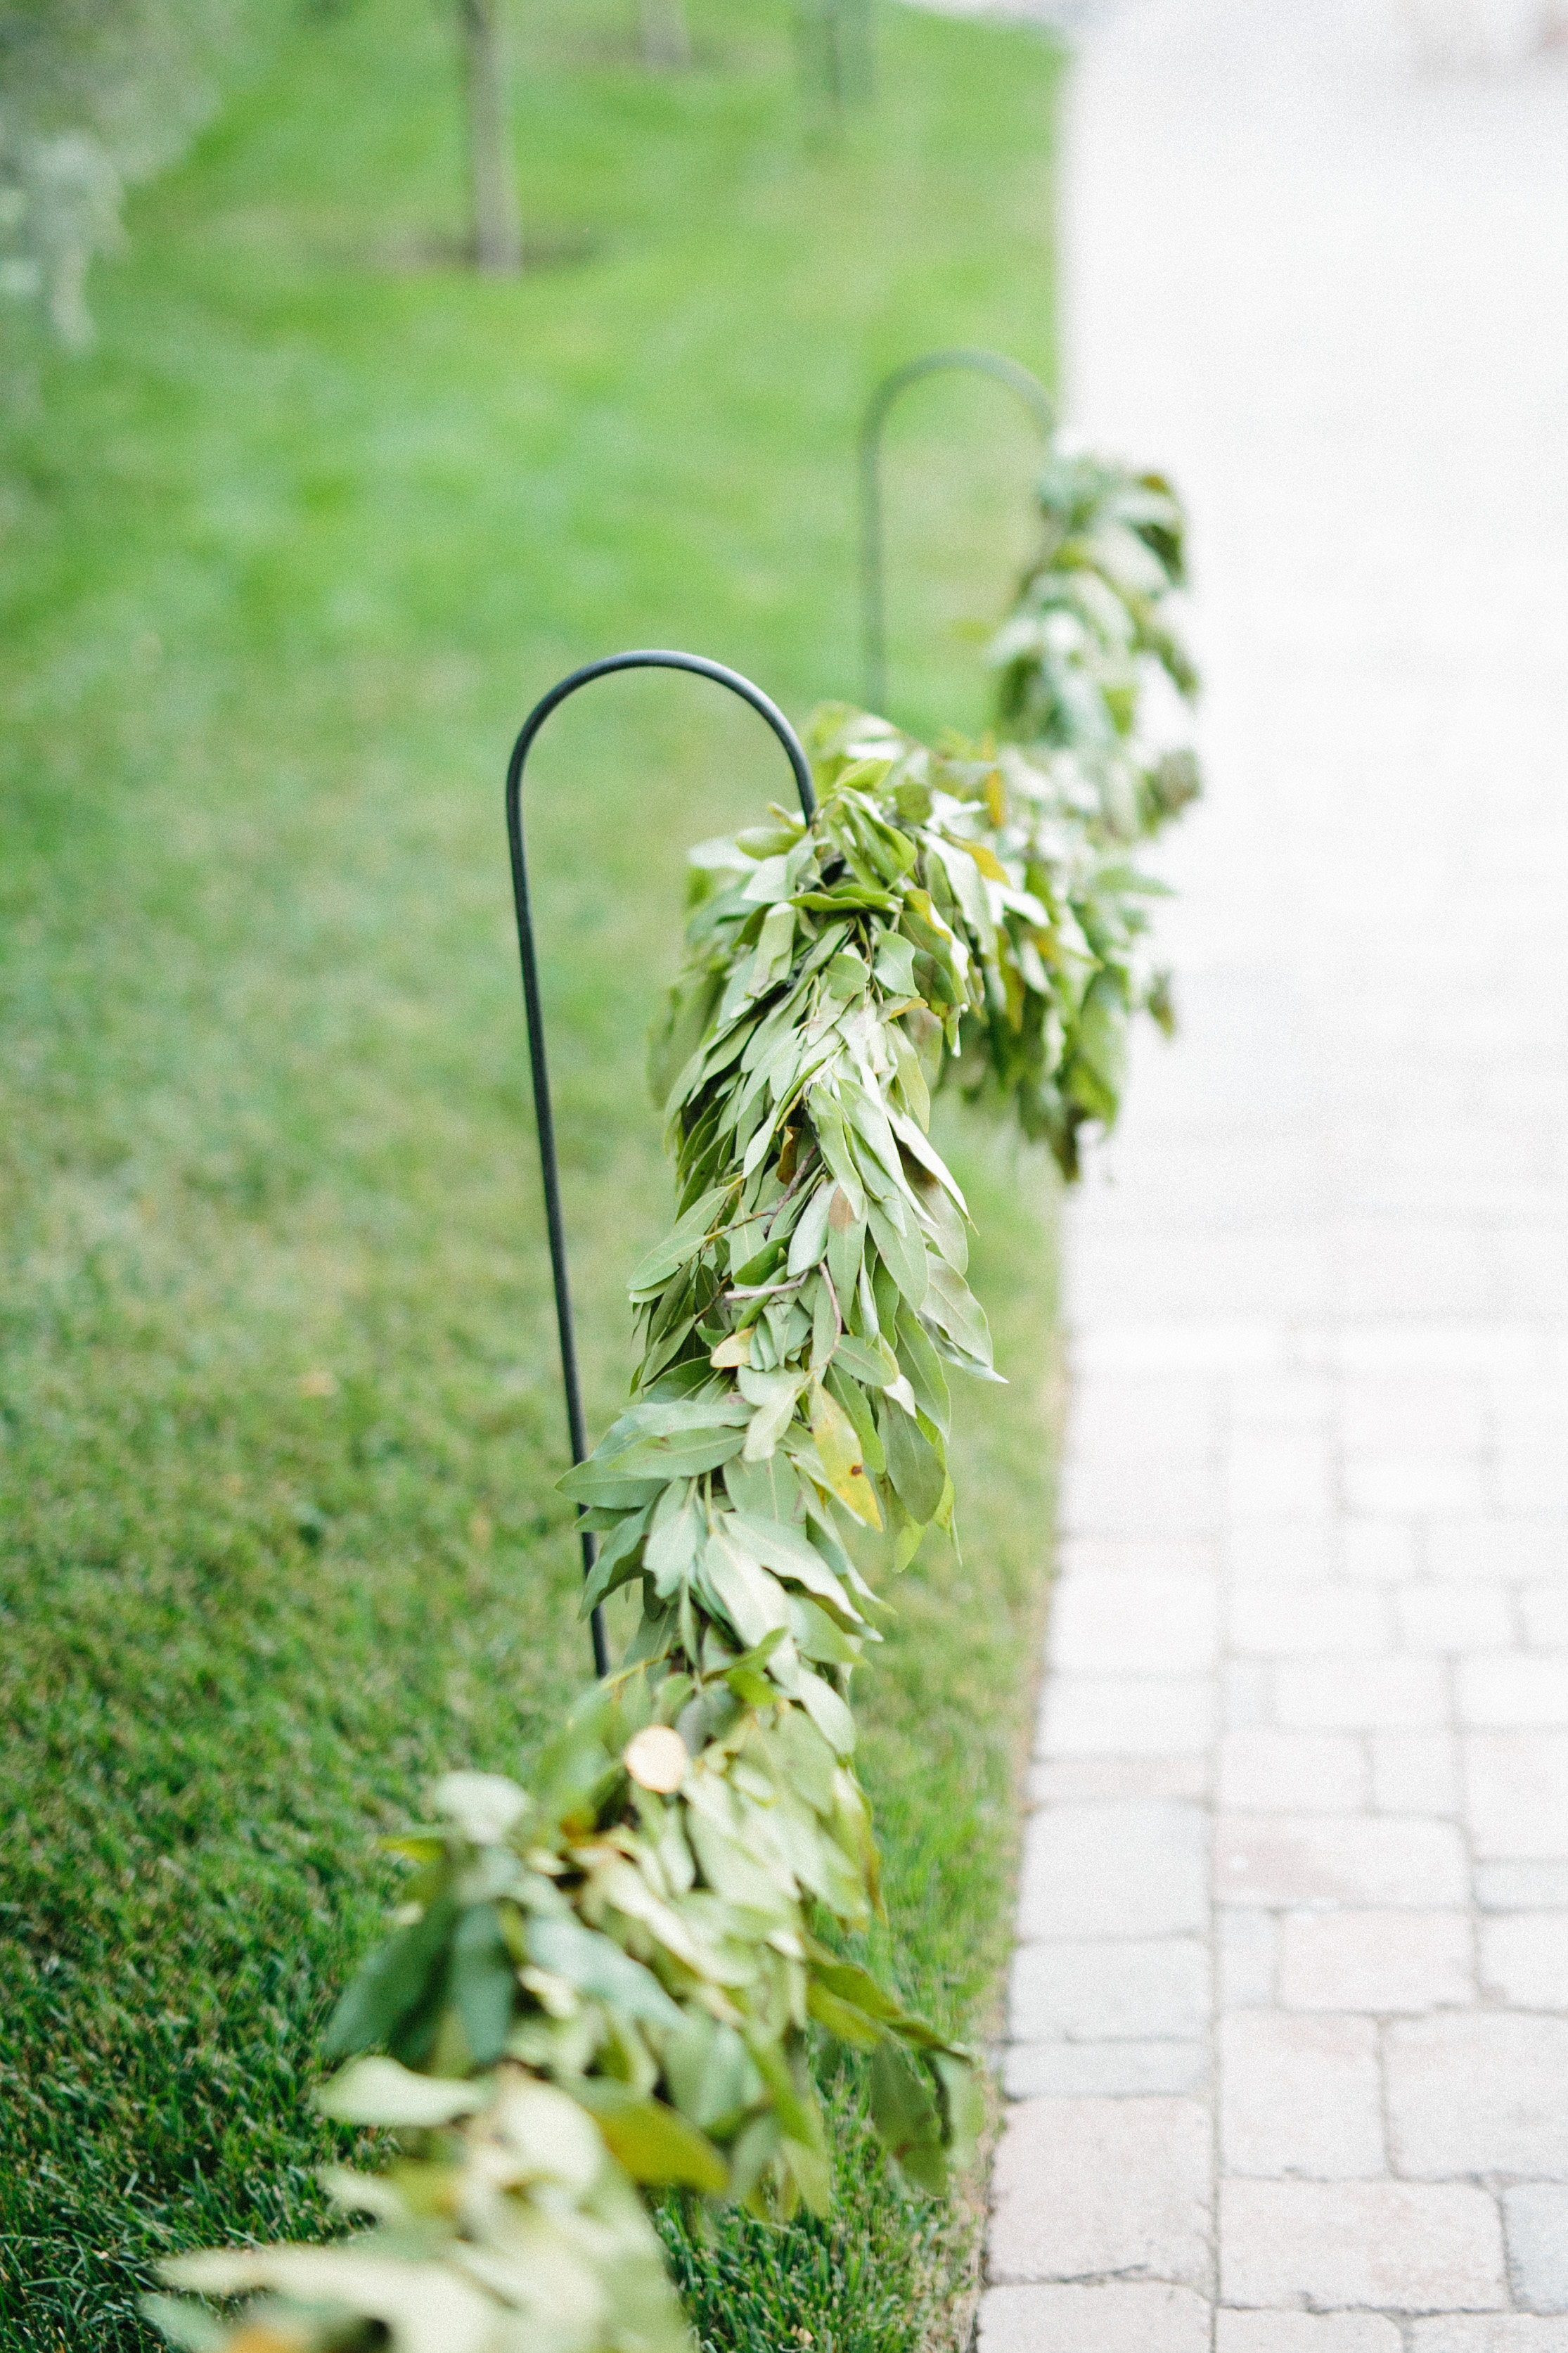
1088, 636
607, 1982
611, 1977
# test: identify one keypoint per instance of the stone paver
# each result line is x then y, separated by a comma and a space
1500, 2333
1281, 1860
1478, 2092
1083, 2188
1110, 1989
1524, 1959
1376, 1961
1101, 2319
1395, 2244
1302, 2332
1126, 1869
1289, 2049
1300, 2095
1535, 2220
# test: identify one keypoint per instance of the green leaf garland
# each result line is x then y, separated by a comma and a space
1089, 634
606, 1983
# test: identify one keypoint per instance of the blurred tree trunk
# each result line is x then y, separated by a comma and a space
498, 225
666, 39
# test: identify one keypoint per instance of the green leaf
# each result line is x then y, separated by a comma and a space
593, 1483
851, 1983
682, 1455
712, 2080
768, 1491
655, 2144
1098, 1069
775, 1397
907, 2118
752, 1600
616, 1560
483, 1984
857, 1405
916, 1470
771, 958
673, 1417
188, 2326
769, 881
380, 2092
596, 1964
740, 1874
847, 895
393, 1984
923, 1366
818, 1636
809, 1761
871, 1124
754, 2149
812, 2174
952, 1307
841, 2018
846, 1244
903, 1254
680, 1246
864, 1362
673, 1544
798, 2113
825, 1333
833, 1140
789, 1552
748, 1272
896, 965
964, 2103
826, 1710
809, 1240
916, 1146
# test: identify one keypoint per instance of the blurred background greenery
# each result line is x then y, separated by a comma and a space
283, 561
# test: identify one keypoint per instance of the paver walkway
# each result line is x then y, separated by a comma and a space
1289, 2016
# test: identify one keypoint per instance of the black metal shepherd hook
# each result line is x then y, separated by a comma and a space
549, 1169
873, 591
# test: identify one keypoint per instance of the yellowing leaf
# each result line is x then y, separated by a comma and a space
838, 1448
986, 860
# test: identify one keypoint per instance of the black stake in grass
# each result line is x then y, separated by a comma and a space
548, 1166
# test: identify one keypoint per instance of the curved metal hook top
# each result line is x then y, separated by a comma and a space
1018, 379
1013, 373
655, 659
765, 706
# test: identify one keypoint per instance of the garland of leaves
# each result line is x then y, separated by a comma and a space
1087, 630
608, 1980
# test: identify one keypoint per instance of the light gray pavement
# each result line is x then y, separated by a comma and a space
1290, 2020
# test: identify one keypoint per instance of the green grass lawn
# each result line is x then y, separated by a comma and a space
281, 567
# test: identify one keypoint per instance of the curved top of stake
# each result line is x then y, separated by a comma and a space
652, 659
873, 596
1022, 380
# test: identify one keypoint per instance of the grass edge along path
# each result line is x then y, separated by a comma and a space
280, 1404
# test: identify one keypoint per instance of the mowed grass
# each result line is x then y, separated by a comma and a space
281, 566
